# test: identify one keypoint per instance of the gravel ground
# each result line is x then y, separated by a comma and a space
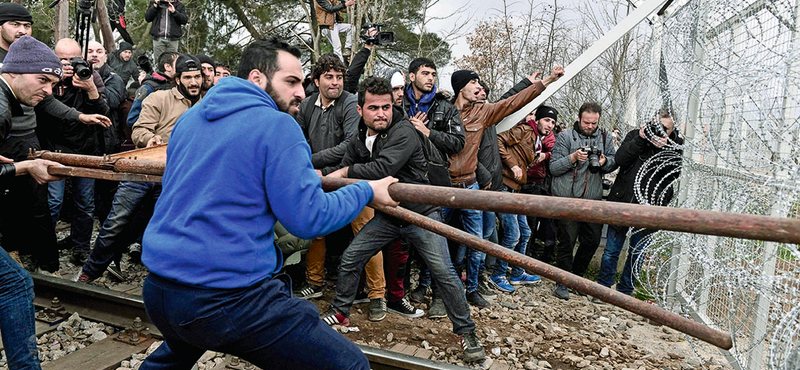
529, 329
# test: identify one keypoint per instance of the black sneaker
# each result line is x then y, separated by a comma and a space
377, 309
477, 300
308, 291
333, 317
485, 288
116, 271
561, 292
135, 252
418, 294
403, 307
473, 349
78, 258
436, 310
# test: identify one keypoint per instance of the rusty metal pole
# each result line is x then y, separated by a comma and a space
777, 229
140, 166
652, 312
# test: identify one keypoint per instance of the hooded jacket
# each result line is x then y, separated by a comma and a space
397, 152
235, 166
574, 180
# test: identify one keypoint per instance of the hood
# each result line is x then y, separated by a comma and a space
231, 95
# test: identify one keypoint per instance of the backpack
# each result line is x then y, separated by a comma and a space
438, 166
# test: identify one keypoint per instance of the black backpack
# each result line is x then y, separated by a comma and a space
438, 166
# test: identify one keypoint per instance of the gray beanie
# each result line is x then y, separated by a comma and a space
29, 55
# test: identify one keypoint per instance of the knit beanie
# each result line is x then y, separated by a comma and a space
14, 12
545, 111
461, 78
123, 46
29, 55
206, 59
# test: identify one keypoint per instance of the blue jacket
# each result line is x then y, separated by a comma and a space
235, 166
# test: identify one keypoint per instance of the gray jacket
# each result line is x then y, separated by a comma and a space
328, 132
573, 180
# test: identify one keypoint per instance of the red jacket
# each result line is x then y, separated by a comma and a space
536, 173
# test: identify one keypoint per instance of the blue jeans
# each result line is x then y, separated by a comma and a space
380, 232
262, 324
83, 219
17, 315
615, 239
473, 224
490, 234
515, 237
129, 195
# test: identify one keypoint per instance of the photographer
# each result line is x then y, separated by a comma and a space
168, 18
652, 152
580, 157
83, 89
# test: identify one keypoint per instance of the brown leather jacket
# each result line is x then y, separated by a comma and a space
476, 118
328, 12
517, 149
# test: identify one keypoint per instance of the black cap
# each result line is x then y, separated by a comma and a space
186, 63
461, 78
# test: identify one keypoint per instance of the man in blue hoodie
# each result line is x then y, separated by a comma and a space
236, 164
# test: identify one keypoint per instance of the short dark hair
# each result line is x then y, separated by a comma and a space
263, 56
590, 107
485, 87
223, 65
167, 57
326, 63
420, 62
374, 86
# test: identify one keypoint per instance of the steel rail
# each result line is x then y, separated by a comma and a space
655, 313
119, 309
735, 225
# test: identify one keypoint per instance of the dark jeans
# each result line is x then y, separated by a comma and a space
16, 315
472, 221
615, 239
25, 221
542, 228
106, 247
381, 232
262, 324
83, 218
587, 234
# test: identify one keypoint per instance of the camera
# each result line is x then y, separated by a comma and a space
594, 158
144, 64
380, 38
81, 68
655, 129
165, 3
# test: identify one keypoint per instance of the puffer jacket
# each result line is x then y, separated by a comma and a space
574, 180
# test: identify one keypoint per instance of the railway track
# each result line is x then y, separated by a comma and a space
57, 299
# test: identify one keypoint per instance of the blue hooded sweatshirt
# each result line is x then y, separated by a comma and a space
235, 165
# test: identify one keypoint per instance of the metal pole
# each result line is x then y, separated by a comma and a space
778, 229
655, 313
140, 166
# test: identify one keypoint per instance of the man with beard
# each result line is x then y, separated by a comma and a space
388, 145
15, 22
209, 70
160, 111
477, 116
238, 163
576, 175
122, 63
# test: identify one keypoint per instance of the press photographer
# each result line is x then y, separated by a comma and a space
168, 18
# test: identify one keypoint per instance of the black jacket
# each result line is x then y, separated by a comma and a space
397, 152
355, 70
444, 121
658, 179
328, 131
174, 21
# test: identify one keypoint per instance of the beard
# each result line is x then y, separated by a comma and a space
283, 105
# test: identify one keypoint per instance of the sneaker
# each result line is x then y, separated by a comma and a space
403, 307
485, 288
525, 278
561, 292
473, 349
54, 274
81, 277
15, 256
135, 252
116, 271
418, 294
477, 300
436, 310
361, 297
333, 317
377, 309
308, 291
78, 258
502, 284
65, 244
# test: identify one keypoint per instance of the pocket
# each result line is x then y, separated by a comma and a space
212, 330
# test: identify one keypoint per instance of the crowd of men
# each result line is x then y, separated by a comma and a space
384, 129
